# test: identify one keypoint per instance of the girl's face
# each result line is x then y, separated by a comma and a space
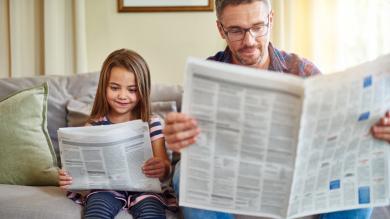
122, 94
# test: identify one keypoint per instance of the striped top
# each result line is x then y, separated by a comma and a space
167, 197
155, 128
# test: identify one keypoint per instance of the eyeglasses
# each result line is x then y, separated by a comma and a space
238, 33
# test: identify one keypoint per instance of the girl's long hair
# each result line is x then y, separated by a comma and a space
134, 63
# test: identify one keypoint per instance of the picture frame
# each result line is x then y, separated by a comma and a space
164, 5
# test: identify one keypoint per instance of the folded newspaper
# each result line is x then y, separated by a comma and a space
108, 156
280, 146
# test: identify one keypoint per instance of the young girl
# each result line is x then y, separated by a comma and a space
123, 94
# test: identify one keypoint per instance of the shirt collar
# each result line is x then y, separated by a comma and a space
277, 62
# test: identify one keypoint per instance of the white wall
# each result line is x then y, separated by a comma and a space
165, 40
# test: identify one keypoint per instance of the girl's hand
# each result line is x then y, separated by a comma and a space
155, 167
64, 179
381, 130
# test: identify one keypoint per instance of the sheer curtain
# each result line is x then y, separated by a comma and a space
41, 37
334, 34
361, 32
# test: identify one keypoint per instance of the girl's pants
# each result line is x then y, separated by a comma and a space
104, 205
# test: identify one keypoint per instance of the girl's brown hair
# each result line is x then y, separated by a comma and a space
134, 63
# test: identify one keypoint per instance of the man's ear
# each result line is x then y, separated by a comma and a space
271, 19
220, 30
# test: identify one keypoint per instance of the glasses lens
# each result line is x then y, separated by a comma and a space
235, 36
239, 33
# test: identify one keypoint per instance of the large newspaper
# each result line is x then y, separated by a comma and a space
108, 156
279, 146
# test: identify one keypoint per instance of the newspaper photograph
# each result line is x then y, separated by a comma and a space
107, 156
279, 146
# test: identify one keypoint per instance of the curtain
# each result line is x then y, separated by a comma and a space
334, 34
292, 26
42, 37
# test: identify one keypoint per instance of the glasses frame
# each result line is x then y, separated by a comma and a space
245, 31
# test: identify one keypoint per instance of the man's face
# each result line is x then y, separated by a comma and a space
251, 50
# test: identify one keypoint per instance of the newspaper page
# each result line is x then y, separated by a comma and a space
339, 164
108, 156
243, 160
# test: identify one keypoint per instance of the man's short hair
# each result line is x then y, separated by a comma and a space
221, 4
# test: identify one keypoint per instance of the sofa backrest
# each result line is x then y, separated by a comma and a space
64, 89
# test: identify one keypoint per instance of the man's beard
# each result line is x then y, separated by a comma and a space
251, 62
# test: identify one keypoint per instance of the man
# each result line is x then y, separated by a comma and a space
246, 26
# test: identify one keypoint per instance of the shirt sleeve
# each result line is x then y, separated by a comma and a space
155, 128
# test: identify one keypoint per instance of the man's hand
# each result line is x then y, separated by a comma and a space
381, 130
155, 167
64, 179
180, 131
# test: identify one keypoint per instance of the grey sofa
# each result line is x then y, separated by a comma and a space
67, 97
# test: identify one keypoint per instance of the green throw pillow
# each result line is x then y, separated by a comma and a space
26, 152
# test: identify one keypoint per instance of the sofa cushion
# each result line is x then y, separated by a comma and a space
62, 88
161, 108
78, 111
165, 92
26, 154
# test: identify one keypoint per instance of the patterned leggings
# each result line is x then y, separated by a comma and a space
104, 205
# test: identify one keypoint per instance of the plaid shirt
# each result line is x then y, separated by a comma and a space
280, 61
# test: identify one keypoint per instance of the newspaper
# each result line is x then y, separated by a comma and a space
276, 145
108, 156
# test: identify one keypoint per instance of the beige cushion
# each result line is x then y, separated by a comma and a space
26, 154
